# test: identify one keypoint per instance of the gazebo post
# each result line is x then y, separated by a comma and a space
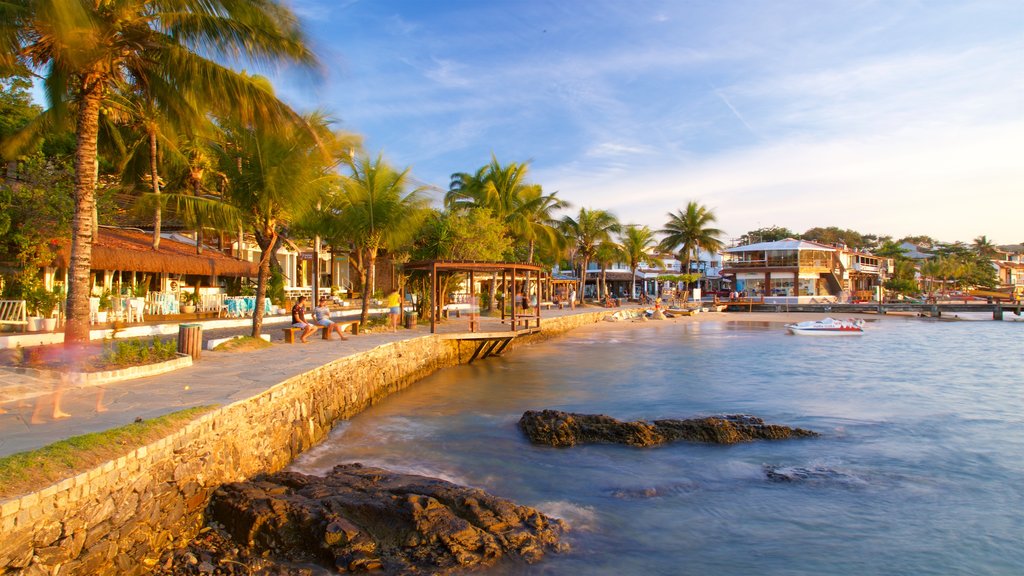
513, 298
435, 301
504, 296
472, 302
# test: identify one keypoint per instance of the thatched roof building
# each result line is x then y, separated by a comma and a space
130, 250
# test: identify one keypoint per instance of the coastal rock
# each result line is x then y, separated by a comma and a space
561, 429
359, 519
810, 475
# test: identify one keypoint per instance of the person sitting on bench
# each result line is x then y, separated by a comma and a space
323, 317
299, 319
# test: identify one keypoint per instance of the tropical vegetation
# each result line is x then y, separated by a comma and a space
146, 113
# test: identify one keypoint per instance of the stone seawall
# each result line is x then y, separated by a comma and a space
119, 517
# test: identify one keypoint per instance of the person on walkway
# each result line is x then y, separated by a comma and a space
572, 298
394, 304
299, 319
322, 316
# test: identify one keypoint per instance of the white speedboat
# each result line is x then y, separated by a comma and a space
827, 327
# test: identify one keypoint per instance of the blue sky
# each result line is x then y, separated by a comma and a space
891, 117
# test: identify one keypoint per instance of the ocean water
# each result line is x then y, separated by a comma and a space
919, 469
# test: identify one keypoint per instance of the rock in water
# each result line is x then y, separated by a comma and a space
560, 429
361, 519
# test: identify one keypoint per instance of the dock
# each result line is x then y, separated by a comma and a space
488, 343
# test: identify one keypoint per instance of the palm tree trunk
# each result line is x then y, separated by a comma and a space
76, 331
266, 242
529, 254
632, 282
369, 277
156, 188
583, 279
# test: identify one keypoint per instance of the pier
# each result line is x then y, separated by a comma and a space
488, 343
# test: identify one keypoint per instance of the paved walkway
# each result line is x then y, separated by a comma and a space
27, 404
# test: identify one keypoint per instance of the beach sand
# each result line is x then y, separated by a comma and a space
779, 318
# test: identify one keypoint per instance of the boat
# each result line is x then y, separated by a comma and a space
827, 327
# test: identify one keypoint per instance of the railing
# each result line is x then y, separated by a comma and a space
162, 303
779, 263
239, 306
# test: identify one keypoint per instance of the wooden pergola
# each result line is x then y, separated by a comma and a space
509, 273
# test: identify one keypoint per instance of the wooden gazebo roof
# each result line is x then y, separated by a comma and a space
471, 266
131, 250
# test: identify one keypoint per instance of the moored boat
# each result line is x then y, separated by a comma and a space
827, 327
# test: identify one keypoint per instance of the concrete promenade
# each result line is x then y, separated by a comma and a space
219, 378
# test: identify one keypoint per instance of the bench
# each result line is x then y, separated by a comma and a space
289, 333
13, 312
352, 325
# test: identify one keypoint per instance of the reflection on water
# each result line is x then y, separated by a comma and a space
918, 469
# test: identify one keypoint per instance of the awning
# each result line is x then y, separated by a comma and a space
132, 251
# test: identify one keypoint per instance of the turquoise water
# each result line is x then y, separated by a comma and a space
919, 470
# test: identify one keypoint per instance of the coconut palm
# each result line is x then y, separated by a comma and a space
272, 175
585, 233
531, 219
607, 253
687, 232
984, 247
85, 49
504, 189
636, 242
377, 211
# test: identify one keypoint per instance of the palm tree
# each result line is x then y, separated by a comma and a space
586, 232
606, 255
636, 242
531, 218
984, 247
273, 175
689, 232
377, 211
88, 49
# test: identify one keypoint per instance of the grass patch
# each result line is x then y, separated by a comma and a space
25, 472
243, 344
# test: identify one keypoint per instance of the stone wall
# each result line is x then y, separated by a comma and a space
119, 517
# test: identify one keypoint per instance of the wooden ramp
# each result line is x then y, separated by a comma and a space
489, 343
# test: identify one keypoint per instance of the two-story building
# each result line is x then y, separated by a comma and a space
1009, 265
802, 271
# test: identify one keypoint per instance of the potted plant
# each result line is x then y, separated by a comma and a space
34, 296
48, 302
189, 301
103, 308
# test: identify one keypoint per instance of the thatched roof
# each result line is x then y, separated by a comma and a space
129, 250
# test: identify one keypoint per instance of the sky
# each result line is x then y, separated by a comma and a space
892, 118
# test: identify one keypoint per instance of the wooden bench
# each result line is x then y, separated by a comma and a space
351, 325
289, 333
13, 312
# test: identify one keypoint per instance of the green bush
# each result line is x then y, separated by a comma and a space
134, 352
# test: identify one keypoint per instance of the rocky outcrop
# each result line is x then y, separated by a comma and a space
359, 519
560, 429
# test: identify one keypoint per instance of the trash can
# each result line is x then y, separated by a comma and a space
410, 320
190, 340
